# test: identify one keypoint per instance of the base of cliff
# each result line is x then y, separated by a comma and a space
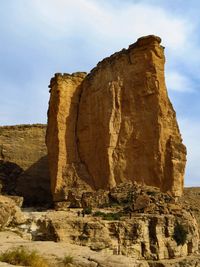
145, 229
81, 256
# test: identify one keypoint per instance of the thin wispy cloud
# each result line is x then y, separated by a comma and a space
62, 18
179, 82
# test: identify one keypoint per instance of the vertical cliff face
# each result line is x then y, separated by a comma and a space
65, 165
116, 124
126, 123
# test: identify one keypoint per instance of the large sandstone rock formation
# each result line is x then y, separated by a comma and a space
116, 124
23, 163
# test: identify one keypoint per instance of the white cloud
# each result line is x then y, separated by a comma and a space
178, 82
96, 20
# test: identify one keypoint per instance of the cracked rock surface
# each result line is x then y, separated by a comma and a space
115, 124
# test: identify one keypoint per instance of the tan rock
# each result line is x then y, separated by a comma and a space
84, 257
116, 124
10, 213
23, 163
191, 201
142, 202
127, 128
143, 236
65, 165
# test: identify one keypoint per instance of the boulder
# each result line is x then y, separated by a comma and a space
10, 213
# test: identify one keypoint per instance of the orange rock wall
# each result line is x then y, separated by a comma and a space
117, 123
61, 139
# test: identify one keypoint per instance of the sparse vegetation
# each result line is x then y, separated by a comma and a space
180, 234
108, 216
112, 216
98, 213
24, 257
87, 210
67, 260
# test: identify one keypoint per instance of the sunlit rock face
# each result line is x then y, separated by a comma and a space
114, 125
66, 168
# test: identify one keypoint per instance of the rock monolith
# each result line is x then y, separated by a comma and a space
115, 124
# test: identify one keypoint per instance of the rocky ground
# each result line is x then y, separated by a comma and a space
83, 256
55, 252
191, 199
63, 239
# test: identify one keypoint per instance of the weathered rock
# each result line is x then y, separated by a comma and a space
127, 128
180, 262
95, 199
65, 165
10, 213
142, 202
191, 202
83, 257
116, 124
128, 198
18, 200
23, 163
143, 236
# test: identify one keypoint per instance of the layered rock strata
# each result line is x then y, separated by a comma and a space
144, 237
116, 124
147, 226
23, 163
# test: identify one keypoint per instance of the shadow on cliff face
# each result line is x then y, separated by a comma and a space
9, 173
32, 184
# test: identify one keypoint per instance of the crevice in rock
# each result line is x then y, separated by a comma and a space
88, 179
153, 235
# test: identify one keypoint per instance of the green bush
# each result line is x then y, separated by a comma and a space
87, 210
98, 214
21, 256
180, 234
111, 216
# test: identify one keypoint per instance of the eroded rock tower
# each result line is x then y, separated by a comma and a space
115, 124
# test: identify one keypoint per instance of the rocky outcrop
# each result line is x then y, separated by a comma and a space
23, 163
151, 229
140, 222
116, 124
191, 201
143, 236
82, 256
10, 212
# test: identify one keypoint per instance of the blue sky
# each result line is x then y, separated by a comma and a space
41, 37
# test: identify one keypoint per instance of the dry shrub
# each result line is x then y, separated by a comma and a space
24, 257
